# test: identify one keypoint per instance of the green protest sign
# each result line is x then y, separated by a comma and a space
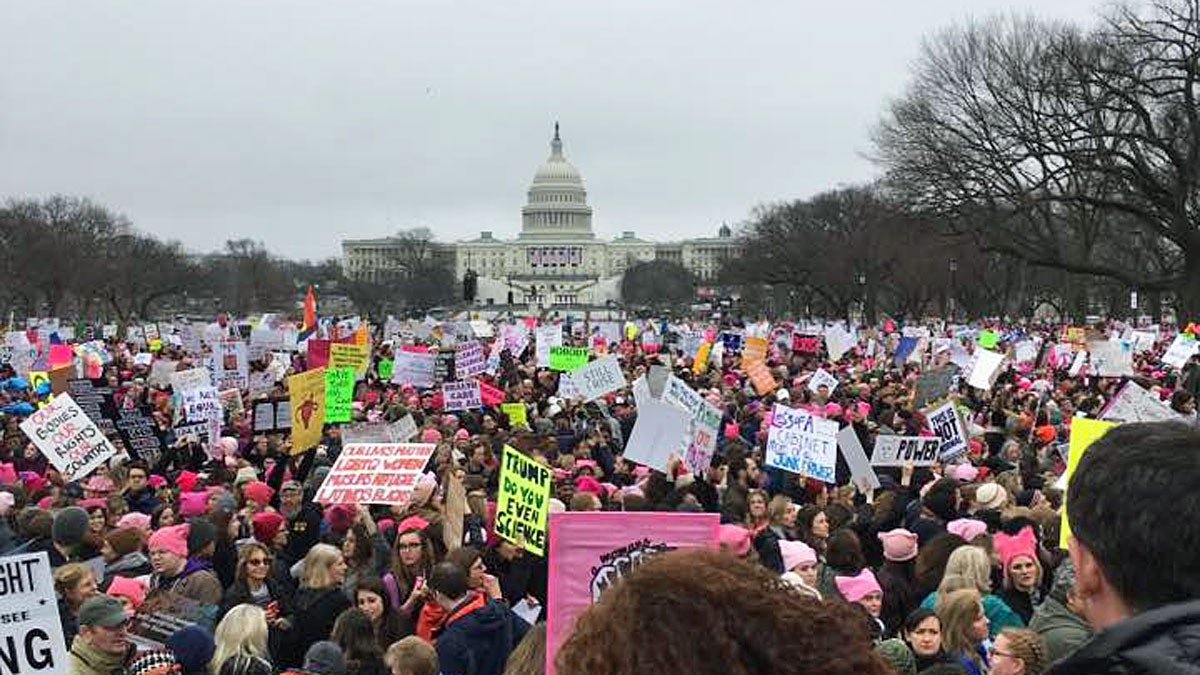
524, 502
386, 366
567, 359
339, 394
988, 339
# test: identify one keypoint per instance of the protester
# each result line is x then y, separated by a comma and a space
1018, 652
354, 633
1059, 619
964, 629
389, 623
320, 599
479, 633
414, 656
101, 647
74, 583
922, 632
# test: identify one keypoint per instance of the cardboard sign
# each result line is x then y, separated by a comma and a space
755, 349
524, 501
140, 435
761, 377
469, 360
306, 394
203, 404
934, 384
95, 398
403, 429
339, 394
356, 356
861, 473
901, 450
516, 414
186, 380
567, 387
822, 378
65, 435
273, 415
702, 441
566, 359
985, 366
1182, 348
988, 339
599, 377
592, 551
1111, 358
806, 344
801, 443
700, 363
375, 473
1084, 432
1135, 404
838, 341
946, 425
545, 338
231, 364
461, 396
415, 368
33, 641
658, 432
443, 370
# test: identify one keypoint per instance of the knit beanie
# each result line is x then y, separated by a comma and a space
193, 647
173, 539
325, 658
898, 656
796, 553
135, 519
258, 492
192, 504
70, 526
856, 588
899, 545
154, 663
1011, 547
991, 496
733, 537
266, 525
124, 540
967, 528
186, 480
128, 588
201, 533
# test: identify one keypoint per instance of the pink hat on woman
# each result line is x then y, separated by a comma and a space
967, 528
735, 538
172, 539
431, 436
193, 504
135, 519
899, 545
128, 588
1011, 547
856, 588
796, 553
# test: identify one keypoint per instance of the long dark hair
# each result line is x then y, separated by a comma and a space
355, 634
405, 578
394, 624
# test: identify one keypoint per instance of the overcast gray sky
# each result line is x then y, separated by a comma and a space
301, 123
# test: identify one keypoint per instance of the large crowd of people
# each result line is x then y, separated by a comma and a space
213, 555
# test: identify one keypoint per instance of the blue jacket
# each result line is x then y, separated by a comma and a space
478, 638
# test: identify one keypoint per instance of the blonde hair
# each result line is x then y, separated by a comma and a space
412, 656
317, 564
957, 611
973, 563
248, 549
68, 577
243, 632
777, 508
1027, 645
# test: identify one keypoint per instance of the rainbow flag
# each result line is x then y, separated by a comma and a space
309, 327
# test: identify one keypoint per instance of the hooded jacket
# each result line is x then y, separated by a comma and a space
478, 638
1061, 629
1162, 640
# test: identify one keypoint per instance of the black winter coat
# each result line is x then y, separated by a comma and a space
315, 612
1162, 640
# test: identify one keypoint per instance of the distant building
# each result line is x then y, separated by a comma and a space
556, 259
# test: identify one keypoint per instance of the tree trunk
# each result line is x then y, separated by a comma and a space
1187, 294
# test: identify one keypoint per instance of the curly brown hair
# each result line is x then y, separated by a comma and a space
750, 623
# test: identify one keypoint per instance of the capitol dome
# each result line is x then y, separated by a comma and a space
557, 201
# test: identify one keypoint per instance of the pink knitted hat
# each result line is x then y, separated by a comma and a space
1011, 547
135, 519
899, 545
735, 538
173, 539
856, 588
967, 528
796, 553
193, 504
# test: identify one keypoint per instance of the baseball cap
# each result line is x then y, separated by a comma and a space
102, 610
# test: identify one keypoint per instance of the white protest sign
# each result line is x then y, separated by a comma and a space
820, 378
944, 423
231, 364
1025, 351
801, 443
862, 475
1143, 341
143, 359
678, 393
416, 368
702, 443
469, 360
1111, 358
403, 429
481, 329
67, 437
1078, 363
567, 388
599, 377
546, 337
985, 365
160, 373
1181, 349
901, 450
108, 331
187, 380
656, 434
375, 473
33, 638
1135, 404
461, 396
838, 341
202, 404
261, 382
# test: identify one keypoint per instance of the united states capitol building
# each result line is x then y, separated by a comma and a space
556, 259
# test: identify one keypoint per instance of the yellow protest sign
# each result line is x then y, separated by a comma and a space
1084, 432
761, 377
361, 334
515, 412
755, 349
355, 356
700, 363
306, 392
155, 344
524, 502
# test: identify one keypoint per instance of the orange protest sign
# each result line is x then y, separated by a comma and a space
760, 376
754, 350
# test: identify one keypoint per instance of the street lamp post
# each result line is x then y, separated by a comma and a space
862, 294
953, 272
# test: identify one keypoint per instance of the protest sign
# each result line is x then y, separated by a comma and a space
700, 363
339, 394
185, 380
566, 359
469, 360
65, 435
403, 429
1143, 341
677, 392
366, 432
375, 473
901, 450
822, 378
985, 366
702, 442
95, 398
1134, 404
356, 356
202, 404
272, 415
806, 344
761, 377
1111, 358
861, 473
523, 502
306, 394
567, 387
33, 642
838, 341
1078, 363
801, 443
546, 337
461, 396
599, 377
489, 394
443, 369
414, 368
231, 364
316, 353
160, 373
934, 384
755, 349
261, 382
659, 431
946, 425
592, 551
1084, 432
140, 435
988, 339
1182, 348
515, 413
385, 367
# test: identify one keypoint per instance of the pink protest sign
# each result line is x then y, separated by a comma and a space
591, 550
318, 354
